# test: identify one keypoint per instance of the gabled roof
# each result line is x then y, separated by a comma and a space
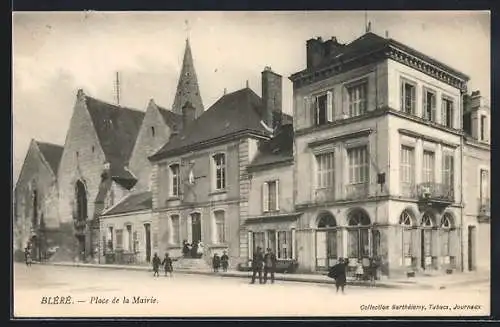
233, 113
117, 129
278, 149
173, 120
52, 154
131, 203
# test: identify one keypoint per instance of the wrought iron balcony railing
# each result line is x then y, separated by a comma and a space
408, 190
357, 191
326, 194
484, 206
435, 191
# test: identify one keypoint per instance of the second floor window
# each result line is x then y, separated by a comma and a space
428, 167
270, 196
429, 105
219, 162
447, 112
358, 165
174, 180
484, 185
407, 165
408, 97
357, 99
326, 170
448, 170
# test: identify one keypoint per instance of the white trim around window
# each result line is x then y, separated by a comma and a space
218, 170
270, 202
174, 179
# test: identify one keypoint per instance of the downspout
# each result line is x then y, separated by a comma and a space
461, 185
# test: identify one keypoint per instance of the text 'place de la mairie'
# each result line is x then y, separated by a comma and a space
385, 158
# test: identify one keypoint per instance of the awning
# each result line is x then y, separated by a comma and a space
284, 221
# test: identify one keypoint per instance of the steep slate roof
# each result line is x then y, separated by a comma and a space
133, 202
173, 120
278, 149
371, 42
233, 113
117, 129
52, 153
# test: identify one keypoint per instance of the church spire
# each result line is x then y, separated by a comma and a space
187, 87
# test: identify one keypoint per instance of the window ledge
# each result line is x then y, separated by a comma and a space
216, 192
270, 212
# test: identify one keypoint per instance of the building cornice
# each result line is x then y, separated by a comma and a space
392, 50
271, 165
423, 137
346, 136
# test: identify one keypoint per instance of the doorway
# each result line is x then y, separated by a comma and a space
81, 247
471, 248
196, 227
147, 228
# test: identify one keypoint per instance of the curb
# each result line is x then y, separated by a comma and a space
287, 278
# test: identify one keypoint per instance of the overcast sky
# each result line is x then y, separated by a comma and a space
55, 54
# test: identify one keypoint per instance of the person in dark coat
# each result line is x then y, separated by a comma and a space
224, 259
156, 265
338, 272
216, 262
27, 256
257, 265
167, 264
269, 265
185, 248
194, 249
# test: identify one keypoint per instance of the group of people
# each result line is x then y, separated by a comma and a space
218, 262
166, 263
193, 250
263, 262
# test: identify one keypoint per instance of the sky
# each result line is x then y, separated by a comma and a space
57, 53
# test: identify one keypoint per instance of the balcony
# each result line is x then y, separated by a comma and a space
435, 193
323, 195
408, 190
484, 209
357, 191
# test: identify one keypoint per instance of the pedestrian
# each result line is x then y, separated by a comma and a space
338, 272
167, 265
360, 272
156, 265
185, 248
200, 249
224, 259
194, 249
269, 265
216, 262
27, 256
257, 265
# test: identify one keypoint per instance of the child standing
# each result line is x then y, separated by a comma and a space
156, 265
359, 271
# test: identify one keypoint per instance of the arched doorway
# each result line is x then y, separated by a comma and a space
447, 235
427, 235
326, 241
80, 217
358, 234
407, 224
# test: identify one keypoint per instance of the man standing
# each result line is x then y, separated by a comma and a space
156, 265
338, 272
257, 263
269, 265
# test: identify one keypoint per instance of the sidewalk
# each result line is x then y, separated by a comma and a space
434, 282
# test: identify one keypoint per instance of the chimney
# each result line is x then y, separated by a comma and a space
331, 47
271, 97
188, 114
315, 52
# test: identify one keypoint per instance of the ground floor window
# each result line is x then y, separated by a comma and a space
258, 241
358, 243
284, 245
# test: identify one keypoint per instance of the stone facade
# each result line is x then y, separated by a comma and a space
36, 218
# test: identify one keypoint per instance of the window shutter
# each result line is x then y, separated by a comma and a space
250, 245
402, 96
329, 106
313, 111
265, 197
433, 108
277, 190
189, 225
424, 104
306, 108
443, 112
293, 247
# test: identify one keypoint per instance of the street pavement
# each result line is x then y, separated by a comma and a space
90, 292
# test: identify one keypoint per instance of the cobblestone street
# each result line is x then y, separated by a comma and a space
196, 295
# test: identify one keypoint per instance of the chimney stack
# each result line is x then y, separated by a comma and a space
271, 97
